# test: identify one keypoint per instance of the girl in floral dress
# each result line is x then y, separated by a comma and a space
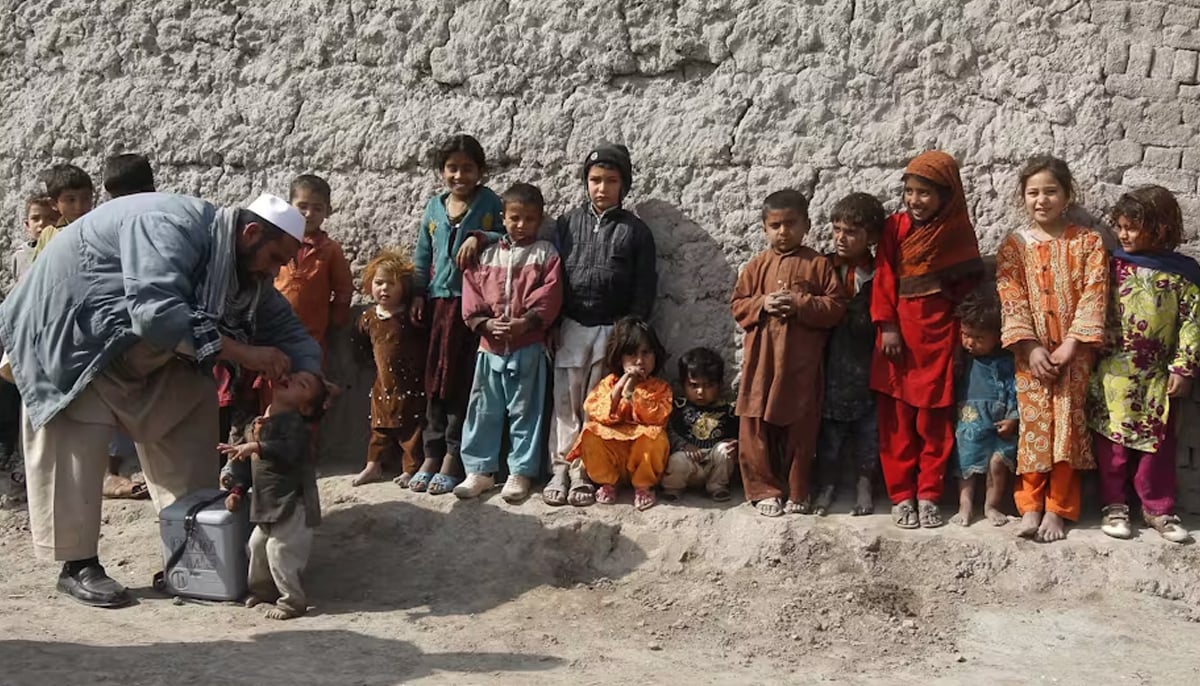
1053, 285
1152, 355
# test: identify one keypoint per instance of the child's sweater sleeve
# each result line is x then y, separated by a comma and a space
343, 288
475, 308
746, 302
652, 402
1088, 324
545, 301
598, 407
423, 255
1187, 354
1017, 316
824, 308
885, 284
284, 440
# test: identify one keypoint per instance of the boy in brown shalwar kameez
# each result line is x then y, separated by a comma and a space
786, 299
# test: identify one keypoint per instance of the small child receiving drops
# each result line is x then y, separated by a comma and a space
284, 503
986, 390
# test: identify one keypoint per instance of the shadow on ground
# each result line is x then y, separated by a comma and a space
387, 556
293, 657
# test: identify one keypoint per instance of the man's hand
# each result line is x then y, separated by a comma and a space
270, 362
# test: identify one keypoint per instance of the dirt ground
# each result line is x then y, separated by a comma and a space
409, 588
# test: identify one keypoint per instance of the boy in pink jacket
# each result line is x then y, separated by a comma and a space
510, 298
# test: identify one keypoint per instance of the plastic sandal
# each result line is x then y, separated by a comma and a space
441, 484
420, 482
606, 495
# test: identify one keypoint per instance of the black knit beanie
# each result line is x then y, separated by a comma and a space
616, 155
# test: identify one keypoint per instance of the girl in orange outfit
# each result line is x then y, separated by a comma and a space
625, 434
1053, 282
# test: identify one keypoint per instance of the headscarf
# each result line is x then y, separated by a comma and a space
944, 249
1167, 261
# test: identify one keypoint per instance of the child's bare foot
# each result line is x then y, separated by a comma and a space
403, 480
962, 517
1030, 521
372, 472
996, 517
1053, 528
253, 601
282, 613
864, 499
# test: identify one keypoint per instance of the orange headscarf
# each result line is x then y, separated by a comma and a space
944, 249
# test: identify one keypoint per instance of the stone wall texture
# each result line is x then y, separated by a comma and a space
720, 101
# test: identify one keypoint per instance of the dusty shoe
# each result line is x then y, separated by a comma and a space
90, 585
474, 486
516, 488
1116, 521
1169, 527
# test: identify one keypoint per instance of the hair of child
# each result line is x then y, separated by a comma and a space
524, 194
980, 309
1156, 211
629, 334
66, 177
394, 263
41, 201
128, 173
701, 364
313, 184
862, 210
787, 199
463, 143
1057, 168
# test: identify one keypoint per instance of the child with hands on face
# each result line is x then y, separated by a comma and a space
702, 430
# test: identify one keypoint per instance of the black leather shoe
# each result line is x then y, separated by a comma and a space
91, 586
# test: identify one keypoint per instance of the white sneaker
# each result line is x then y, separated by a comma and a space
474, 486
515, 489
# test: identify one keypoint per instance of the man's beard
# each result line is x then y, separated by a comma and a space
244, 257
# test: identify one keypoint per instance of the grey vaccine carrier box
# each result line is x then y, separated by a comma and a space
215, 563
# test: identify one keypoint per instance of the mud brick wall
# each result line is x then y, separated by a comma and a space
720, 101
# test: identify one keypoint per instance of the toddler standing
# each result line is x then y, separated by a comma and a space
284, 503
399, 348
849, 413
1150, 359
702, 429
510, 299
1053, 285
787, 298
457, 223
986, 391
928, 259
624, 437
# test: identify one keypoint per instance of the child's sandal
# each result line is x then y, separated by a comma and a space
643, 498
420, 482
606, 494
905, 516
1115, 522
769, 507
929, 515
1169, 527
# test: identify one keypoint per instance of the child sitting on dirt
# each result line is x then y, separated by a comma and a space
398, 347
1151, 357
986, 391
787, 298
702, 430
284, 502
510, 298
624, 436
848, 410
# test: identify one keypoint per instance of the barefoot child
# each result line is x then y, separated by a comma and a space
510, 299
1153, 353
457, 223
284, 504
624, 437
399, 349
609, 272
848, 411
702, 430
787, 298
1053, 285
986, 435
928, 259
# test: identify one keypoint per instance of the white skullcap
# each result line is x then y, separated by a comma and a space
280, 213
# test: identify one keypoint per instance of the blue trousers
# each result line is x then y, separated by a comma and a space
508, 390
